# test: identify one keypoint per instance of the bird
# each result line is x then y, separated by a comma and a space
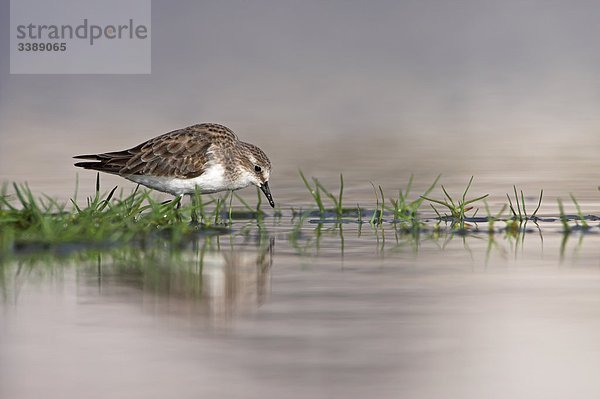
205, 158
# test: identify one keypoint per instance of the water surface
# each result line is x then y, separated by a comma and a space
320, 312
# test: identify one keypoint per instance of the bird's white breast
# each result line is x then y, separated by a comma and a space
213, 180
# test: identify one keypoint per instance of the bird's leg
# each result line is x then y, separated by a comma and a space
194, 212
230, 208
179, 198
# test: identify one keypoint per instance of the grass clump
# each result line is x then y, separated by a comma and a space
457, 208
316, 191
580, 219
27, 221
520, 213
403, 208
377, 217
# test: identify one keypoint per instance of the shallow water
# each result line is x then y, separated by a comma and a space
321, 311
294, 307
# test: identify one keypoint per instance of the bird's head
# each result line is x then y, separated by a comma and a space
257, 169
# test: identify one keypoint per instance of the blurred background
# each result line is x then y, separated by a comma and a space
506, 91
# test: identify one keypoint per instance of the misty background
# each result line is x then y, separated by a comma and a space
484, 87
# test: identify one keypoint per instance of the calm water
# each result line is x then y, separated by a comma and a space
290, 309
317, 311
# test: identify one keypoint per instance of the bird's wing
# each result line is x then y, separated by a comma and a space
182, 153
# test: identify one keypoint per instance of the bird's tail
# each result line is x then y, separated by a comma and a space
100, 163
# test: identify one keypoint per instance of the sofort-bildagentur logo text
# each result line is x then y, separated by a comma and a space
85, 31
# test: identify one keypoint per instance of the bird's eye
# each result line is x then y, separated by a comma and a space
257, 168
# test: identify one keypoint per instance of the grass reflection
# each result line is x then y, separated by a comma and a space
205, 278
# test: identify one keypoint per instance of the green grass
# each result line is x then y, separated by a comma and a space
581, 217
112, 217
377, 217
405, 209
563, 217
458, 208
316, 190
491, 218
106, 218
520, 213
248, 212
580, 220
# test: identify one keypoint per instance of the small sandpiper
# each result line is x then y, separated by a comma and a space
206, 157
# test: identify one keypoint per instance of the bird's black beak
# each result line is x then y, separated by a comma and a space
265, 189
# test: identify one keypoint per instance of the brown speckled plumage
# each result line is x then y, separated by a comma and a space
182, 153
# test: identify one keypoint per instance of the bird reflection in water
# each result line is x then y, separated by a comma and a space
212, 283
